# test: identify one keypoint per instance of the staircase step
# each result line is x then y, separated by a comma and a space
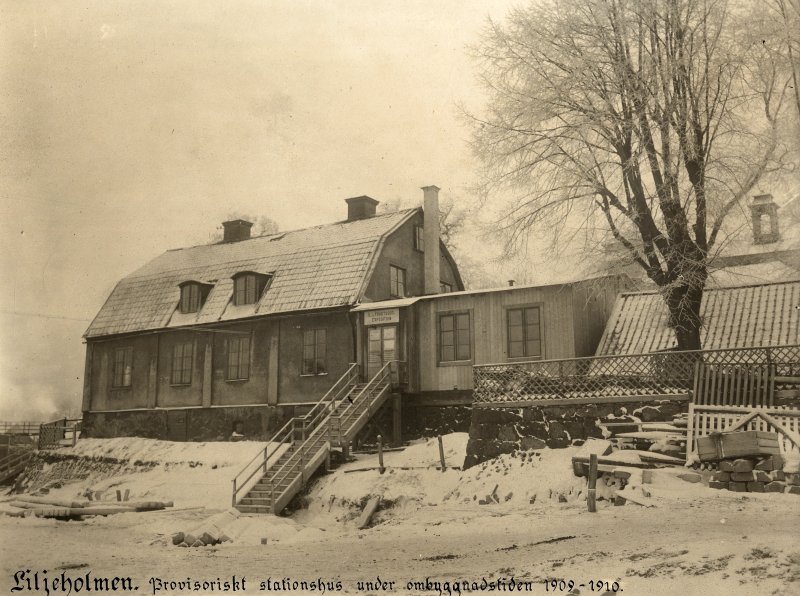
253, 509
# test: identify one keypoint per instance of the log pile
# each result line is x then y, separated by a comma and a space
755, 475
27, 506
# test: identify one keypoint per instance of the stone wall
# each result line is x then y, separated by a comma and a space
422, 422
494, 431
197, 424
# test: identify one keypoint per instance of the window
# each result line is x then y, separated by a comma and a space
182, 357
248, 287
454, 337
524, 332
123, 367
419, 238
397, 282
192, 296
238, 368
445, 288
314, 348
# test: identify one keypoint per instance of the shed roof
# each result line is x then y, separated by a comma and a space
734, 317
320, 267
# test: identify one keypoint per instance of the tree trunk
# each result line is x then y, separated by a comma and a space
683, 301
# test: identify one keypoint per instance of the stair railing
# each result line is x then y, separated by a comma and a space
288, 432
365, 399
14, 459
321, 432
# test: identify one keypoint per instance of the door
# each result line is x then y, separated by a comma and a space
381, 347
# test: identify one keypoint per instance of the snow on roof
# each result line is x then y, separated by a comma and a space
320, 267
736, 317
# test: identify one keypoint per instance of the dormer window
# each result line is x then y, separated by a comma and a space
193, 295
248, 287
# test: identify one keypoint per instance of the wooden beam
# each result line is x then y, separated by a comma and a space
580, 401
369, 510
744, 410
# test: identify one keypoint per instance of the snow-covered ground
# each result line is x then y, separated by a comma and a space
521, 516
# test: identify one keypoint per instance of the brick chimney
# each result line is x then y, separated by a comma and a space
360, 207
236, 230
430, 234
764, 215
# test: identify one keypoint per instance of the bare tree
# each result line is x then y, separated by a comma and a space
652, 117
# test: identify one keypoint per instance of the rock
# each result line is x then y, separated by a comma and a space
619, 500
562, 498
738, 487
742, 465
690, 477
507, 433
722, 476
768, 464
793, 490
207, 538
495, 416
793, 479
183, 545
190, 539
718, 485
762, 476
755, 487
197, 543
527, 443
743, 476
775, 487
726, 466
777, 475
558, 431
177, 538
649, 414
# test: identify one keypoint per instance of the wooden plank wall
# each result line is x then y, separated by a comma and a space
592, 303
488, 323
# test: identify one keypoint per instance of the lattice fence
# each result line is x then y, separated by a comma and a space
661, 373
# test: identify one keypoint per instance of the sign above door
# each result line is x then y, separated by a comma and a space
383, 316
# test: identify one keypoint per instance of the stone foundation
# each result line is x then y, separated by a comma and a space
201, 424
494, 431
423, 422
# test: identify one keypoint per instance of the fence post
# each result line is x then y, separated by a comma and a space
441, 454
381, 469
233, 496
592, 493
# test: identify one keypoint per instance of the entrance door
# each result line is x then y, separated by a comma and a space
381, 347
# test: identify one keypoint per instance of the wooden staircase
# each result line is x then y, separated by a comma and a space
14, 463
269, 481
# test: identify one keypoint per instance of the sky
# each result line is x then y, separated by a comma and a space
129, 128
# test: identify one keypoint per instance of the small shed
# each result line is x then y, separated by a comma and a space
442, 336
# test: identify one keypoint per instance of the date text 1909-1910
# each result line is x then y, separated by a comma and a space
594, 585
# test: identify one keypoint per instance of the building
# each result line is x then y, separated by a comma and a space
441, 337
744, 316
233, 337
761, 245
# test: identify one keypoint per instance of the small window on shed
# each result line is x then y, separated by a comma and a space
248, 287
